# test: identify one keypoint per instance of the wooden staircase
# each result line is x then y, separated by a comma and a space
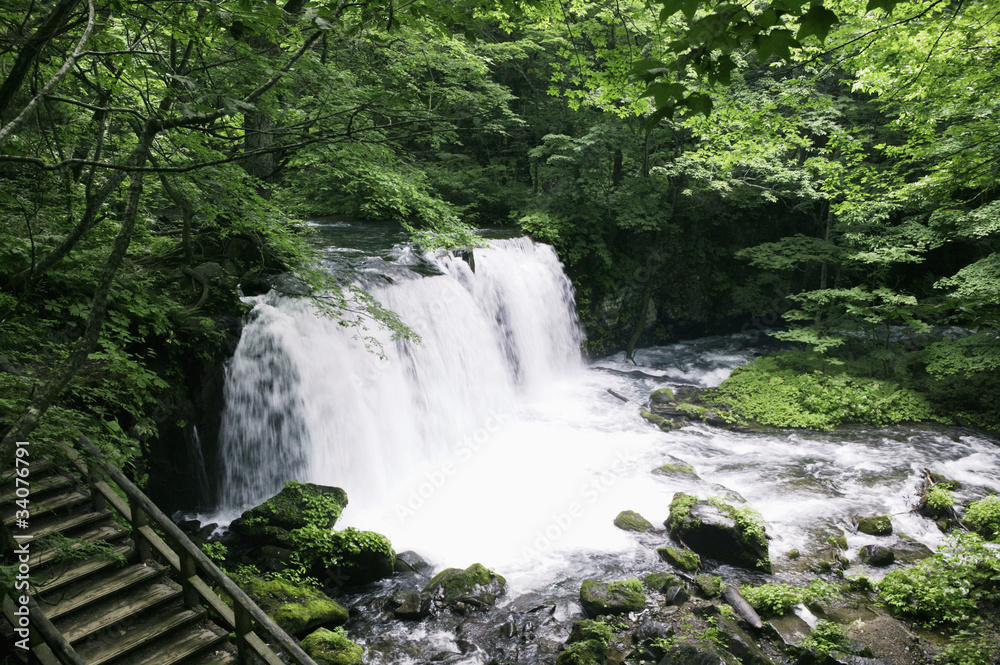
112, 612
152, 597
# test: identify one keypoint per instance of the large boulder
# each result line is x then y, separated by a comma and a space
298, 609
296, 506
352, 557
717, 530
476, 587
331, 647
612, 598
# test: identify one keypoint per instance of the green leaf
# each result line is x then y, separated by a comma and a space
777, 42
885, 5
671, 7
817, 21
699, 102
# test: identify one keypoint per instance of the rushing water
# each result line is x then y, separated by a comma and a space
492, 440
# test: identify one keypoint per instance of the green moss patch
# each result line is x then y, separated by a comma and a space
331, 647
296, 608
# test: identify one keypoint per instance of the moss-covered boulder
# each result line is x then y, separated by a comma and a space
879, 525
588, 644
476, 587
711, 586
661, 581
296, 506
680, 558
331, 647
353, 557
612, 598
298, 609
629, 520
662, 396
876, 555
717, 530
675, 466
665, 424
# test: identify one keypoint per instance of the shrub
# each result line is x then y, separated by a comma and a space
984, 517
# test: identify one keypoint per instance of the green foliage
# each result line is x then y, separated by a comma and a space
984, 517
768, 392
940, 499
946, 588
825, 638
215, 551
779, 598
968, 646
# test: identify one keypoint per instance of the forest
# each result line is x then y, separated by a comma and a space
822, 176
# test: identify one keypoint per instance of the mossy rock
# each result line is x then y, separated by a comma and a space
612, 598
665, 424
662, 396
710, 585
588, 629
879, 525
329, 647
717, 530
876, 555
699, 653
476, 587
587, 652
945, 482
674, 467
680, 558
629, 520
298, 609
660, 581
296, 506
354, 557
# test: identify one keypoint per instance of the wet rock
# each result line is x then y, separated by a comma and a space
698, 653
716, 530
295, 506
739, 643
476, 587
661, 581
676, 595
879, 525
674, 466
618, 597
841, 658
789, 629
328, 647
662, 396
269, 558
411, 562
648, 637
665, 424
889, 641
629, 520
298, 609
843, 612
793, 554
361, 556
909, 551
412, 606
679, 558
710, 585
876, 555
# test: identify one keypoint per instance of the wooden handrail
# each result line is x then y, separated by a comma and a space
243, 605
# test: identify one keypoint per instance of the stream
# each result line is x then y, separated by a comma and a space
493, 440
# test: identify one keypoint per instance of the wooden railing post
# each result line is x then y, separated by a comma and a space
244, 624
97, 499
139, 520
188, 570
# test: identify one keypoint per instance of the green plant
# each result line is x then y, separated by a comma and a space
968, 647
984, 517
940, 498
75, 549
779, 598
215, 551
946, 588
825, 638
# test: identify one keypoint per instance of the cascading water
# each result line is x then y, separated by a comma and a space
305, 399
490, 441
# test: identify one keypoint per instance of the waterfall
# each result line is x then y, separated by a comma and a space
306, 400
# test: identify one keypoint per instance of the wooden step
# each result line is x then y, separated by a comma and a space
92, 589
39, 486
46, 506
224, 654
120, 606
63, 525
186, 643
36, 469
103, 531
104, 648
